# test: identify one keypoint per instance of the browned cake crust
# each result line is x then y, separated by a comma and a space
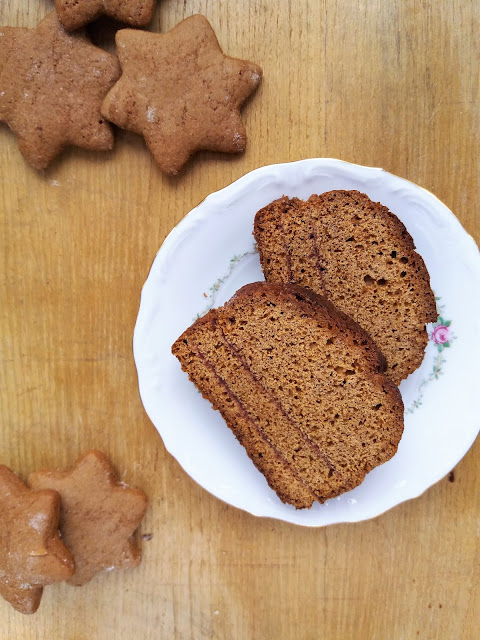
359, 255
300, 385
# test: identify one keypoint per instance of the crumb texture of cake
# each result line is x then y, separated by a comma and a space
300, 385
359, 255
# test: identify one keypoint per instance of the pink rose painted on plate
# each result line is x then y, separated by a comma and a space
440, 334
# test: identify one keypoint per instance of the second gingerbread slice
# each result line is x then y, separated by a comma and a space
360, 256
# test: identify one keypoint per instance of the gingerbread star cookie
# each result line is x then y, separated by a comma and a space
99, 515
180, 92
32, 554
74, 14
52, 84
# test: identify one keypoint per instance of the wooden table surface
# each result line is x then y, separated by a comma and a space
388, 83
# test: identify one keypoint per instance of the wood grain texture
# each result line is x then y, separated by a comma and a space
392, 84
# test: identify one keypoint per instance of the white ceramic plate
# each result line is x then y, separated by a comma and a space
211, 253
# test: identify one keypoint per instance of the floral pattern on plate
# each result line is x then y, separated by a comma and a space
441, 336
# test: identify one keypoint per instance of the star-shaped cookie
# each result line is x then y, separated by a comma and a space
32, 554
74, 14
52, 84
180, 92
99, 515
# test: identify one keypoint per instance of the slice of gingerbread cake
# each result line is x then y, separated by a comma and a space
360, 256
300, 385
